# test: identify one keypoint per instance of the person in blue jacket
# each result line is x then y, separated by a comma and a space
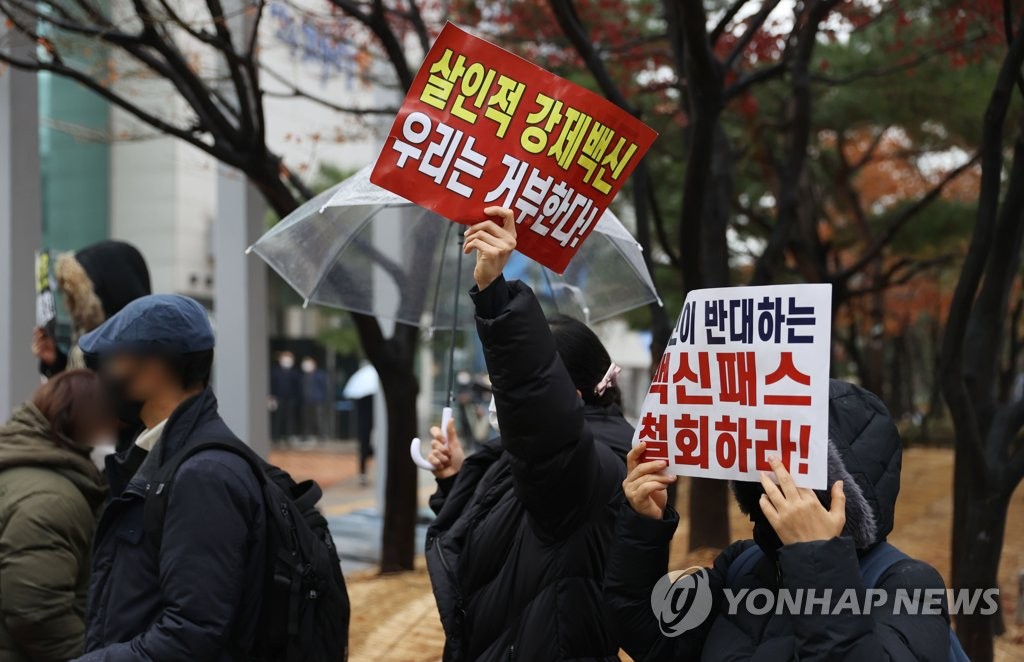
195, 595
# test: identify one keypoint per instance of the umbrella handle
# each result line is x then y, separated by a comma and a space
414, 448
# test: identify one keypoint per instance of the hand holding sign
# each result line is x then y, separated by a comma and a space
645, 486
493, 245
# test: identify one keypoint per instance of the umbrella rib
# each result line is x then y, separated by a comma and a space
348, 240
654, 289
440, 275
551, 288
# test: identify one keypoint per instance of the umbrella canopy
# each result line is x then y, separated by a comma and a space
359, 247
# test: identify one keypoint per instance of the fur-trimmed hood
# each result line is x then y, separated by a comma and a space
100, 280
865, 452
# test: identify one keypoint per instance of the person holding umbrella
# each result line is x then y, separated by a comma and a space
516, 554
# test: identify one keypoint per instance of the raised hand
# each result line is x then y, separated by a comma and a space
645, 487
493, 244
795, 512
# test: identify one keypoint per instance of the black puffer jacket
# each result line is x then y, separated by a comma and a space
517, 552
197, 597
865, 453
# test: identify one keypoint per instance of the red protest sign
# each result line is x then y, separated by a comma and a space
481, 126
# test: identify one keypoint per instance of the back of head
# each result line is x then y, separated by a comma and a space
865, 452
100, 280
585, 357
76, 408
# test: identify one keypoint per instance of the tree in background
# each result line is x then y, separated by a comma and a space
738, 188
197, 77
980, 336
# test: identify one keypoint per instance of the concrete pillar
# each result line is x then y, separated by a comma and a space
20, 226
242, 362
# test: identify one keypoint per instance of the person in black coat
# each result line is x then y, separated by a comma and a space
195, 595
517, 551
807, 540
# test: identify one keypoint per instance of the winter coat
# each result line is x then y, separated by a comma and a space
49, 497
197, 597
96, 282
865, 453
517, 551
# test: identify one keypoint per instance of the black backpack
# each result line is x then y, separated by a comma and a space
305, 608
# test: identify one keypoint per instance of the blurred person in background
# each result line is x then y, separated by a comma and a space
50, 495
96, 282
314, 399
285, 397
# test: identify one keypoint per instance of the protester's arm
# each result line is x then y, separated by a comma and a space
831, 633
42, 550
540, 414
207, 538
638, 558
440, 495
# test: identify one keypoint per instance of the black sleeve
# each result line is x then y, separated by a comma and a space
887, 632
638, 558
50, 369
540, 415
444, 488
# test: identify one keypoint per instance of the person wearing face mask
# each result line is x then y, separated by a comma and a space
190, 590
828, 541
314, 399
50, 494
286, 398
517, 550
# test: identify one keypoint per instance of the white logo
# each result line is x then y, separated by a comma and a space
681, 601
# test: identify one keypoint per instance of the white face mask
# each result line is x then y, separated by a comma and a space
286, 362
100, 451
492, 415
308, 366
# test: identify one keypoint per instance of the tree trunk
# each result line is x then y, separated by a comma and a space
398, 539
980, 511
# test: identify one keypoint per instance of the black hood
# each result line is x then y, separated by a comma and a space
118, 273
865, 451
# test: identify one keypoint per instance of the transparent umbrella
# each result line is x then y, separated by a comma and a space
359, 247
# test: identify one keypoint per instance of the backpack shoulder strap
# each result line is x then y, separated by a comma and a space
155, 507
743, 564
874, 564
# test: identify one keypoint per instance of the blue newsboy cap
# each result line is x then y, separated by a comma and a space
158, 323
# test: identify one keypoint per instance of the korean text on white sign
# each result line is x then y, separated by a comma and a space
745, 377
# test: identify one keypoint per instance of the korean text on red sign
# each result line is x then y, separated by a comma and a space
745, 376
481, 126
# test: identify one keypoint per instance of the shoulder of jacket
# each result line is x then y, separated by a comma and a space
217, 463
910, 573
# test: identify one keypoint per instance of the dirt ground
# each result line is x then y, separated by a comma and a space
394, 617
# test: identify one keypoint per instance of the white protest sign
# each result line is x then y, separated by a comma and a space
745, 376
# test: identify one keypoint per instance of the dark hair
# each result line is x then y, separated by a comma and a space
584, 357
75, 403
192, 368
